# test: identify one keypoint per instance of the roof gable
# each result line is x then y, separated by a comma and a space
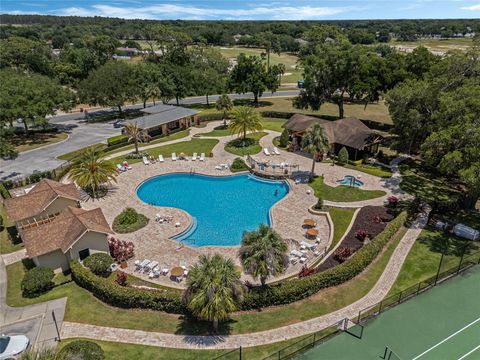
161, 114
63, 231
38, 198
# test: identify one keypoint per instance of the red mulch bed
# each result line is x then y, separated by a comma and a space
364, 221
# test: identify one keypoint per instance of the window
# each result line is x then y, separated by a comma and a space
84, 254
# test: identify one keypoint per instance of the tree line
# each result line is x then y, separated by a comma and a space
61, 30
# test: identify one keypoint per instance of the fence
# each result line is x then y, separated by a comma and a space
466, 261
268, 169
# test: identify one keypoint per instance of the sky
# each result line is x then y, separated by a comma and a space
249, 9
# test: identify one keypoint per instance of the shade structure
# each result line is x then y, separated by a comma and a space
312, 232
309, 222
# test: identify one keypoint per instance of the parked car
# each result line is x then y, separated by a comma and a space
11, 347
118, 123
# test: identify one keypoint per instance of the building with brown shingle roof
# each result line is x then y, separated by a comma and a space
350, 133
73, 234
46, 199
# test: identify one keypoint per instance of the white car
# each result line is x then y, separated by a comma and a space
12, 346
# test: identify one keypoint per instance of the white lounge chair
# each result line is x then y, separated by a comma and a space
160, 158
145, 161
219, 167
194, 156
296, 253
202, 157
126, 166
174, 157
308, 245
121, 168
266, 152
275, 151
303, 259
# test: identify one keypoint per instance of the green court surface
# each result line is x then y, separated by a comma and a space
440, 324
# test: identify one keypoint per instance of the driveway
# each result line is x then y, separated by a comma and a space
80, 133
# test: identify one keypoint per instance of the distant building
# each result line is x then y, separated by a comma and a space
350, 133
163, 119
126, 51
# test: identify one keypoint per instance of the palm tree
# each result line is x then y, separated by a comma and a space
245, 119
263, 253
135, 134
224, 103
213, 289
91, 172
315, 142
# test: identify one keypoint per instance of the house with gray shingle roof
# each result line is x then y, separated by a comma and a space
163, 119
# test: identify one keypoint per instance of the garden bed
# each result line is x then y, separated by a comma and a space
248, 146
368, 219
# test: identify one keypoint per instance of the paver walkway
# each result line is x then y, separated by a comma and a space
376, 294
14, 256
36, 321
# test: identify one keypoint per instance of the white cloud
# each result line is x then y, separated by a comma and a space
178, 11
473, 7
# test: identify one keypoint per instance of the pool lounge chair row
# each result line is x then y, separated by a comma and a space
152, 268
274, 151
301, 255
146, 161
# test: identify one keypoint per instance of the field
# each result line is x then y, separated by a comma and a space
436, 45
293, 74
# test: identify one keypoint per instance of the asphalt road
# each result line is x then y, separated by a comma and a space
82, 134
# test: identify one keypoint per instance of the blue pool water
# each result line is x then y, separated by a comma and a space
349, 180
222, 207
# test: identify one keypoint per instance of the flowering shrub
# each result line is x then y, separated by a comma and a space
342, 254
306, 271
377, 219
121, 278
361, 234
392, 201
120, 250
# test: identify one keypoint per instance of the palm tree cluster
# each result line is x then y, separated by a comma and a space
263, 253
213, 289
91, 172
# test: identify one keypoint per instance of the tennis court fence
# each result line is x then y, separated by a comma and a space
446, 270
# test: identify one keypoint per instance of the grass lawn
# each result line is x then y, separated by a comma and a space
35, 141
423, 259
188, 147
342, 193
7, 233
420, 182
255, 148
175, 136
273, 124
83, 307
341, 219
218, 131
371, 169
437, 44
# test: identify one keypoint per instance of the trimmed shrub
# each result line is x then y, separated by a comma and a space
123, 296
342, 254
129, 221
238, 165
37, 281
117, 139
283, 142
299, 288
319, 204
343, 156
121, 250
99, 263
81, 350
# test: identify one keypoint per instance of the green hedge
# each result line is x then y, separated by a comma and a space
299, 288
4, 192
81, 350
212, 116
125, 297
117, 139
37, 281
238, 165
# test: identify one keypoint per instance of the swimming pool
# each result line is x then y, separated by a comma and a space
350, 180
222, 207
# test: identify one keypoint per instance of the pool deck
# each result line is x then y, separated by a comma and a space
153, 241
